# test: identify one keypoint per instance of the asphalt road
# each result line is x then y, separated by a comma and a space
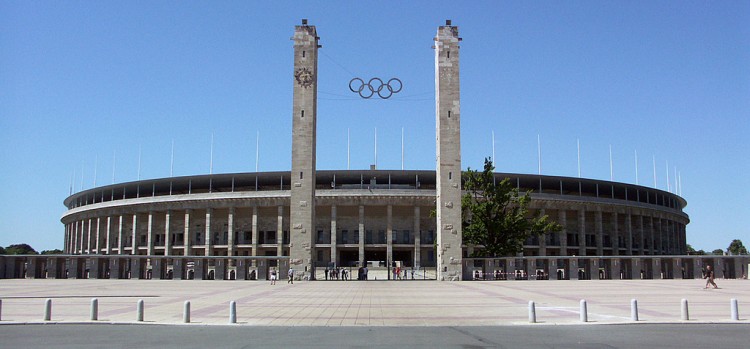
81, 336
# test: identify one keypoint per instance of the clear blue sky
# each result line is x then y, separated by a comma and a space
85, 85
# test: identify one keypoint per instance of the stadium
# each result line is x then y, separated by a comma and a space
320, 220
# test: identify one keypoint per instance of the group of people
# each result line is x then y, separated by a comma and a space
337, 274
274, 275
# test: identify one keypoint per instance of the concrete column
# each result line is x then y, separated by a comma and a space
448, 139
88, 236
615, 234
641, 237
582, 232
389, 235
134, 245
108, 238
186, 239
334, 230
209, 236
667, 225
562, 219
82, 237
652, 238
97, 236
361, 235
254, 233
543, 238
167, 233
230, 232
417, 238
599, 233
629, 234
120, 236
280, 230
304, 138
150, 234
660, 237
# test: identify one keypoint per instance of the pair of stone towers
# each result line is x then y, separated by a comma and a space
448, 140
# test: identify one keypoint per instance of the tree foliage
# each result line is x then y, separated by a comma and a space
736, 248
55, 251
20, 249
496, 216
717, 252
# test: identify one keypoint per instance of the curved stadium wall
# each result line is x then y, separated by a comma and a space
369, 215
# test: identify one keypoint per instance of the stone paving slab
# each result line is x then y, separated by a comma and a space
371, 303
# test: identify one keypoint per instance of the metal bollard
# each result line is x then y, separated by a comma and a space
186, 312
684, 312
139, 310
584, 311
633, 310
94, 309
1, 309
232, 312
48, 309
532, 312
735, 310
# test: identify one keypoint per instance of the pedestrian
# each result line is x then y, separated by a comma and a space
709, 276
291, 276
273, 276
326, 272
365, 273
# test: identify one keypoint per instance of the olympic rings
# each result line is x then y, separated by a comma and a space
384, 90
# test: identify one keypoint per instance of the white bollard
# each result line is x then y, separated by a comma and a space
735, 310
633, 310
186, 312
532, 312
584, 311
232, 312
139, 310
94, 309
48, 310
685, 313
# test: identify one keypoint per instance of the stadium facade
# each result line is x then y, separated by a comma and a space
355, 217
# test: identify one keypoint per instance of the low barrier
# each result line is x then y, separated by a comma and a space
258, 267
186, 315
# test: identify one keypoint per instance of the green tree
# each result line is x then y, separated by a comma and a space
717, 252
20, 249
496, 216
690, 249
736, 248
55, 251
2, 250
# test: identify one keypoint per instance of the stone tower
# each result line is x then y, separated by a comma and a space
304, 113
448, 136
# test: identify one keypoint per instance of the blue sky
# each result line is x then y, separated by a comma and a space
87, 86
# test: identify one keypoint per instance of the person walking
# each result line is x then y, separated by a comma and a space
710, 277
273, 276
291, 276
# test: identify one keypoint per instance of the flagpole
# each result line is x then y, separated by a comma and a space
667, 167
578, 143
402, 148
611, 168
171, 161
114, 161
636, 167
654, 158
211, 164
494, 162
96, 163
82, 163
539, 151
347, 149
257, 150
139, 162
376, 148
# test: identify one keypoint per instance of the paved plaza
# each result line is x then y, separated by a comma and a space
371, 303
